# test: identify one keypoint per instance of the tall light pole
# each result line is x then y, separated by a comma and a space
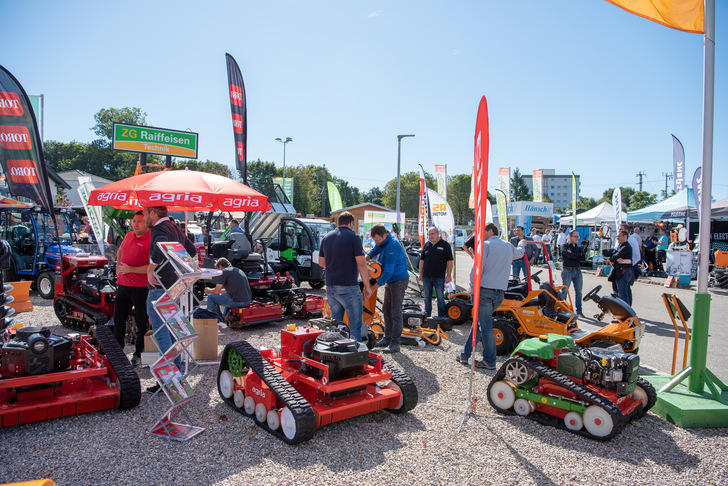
284, 142
399, 154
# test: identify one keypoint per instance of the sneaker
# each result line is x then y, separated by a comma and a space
382, 343
581, 314
484, 366
391, 349
461, 358
136, 361
153, 389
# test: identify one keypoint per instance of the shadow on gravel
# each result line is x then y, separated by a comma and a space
425, 380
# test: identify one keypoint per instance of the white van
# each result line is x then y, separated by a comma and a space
461, 237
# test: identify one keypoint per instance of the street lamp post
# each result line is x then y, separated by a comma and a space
399, 153
284, 142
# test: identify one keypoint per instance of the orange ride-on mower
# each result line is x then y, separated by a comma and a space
313, 379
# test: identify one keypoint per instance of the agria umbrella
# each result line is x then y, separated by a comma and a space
180, 190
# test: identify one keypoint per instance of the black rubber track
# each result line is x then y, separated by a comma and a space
580, 391
98, 316
407, 387
130, 389
302, 411
651, 393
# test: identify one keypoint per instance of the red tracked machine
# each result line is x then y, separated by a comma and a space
315, 378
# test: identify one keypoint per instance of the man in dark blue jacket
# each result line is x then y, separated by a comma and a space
395, 278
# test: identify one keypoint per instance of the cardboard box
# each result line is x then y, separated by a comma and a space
205, 346
683, 279
149, 346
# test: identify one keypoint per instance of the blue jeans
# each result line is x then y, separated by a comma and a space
624, 281
573, 275
518, 266
164, 337
490, 300
349, 299
224, 301
439, 284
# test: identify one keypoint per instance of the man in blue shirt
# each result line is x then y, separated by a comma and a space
342, 255
235, 227
497, 258
395, 278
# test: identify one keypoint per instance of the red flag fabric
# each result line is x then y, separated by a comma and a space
21, 150
422, 214
240, 115
480, 172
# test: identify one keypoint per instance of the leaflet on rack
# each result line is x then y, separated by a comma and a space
179, 257
175, 386
168, 429
176, 321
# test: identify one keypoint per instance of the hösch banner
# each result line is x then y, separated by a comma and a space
441, 176
21, 150
678, 165
240, 115
422, 213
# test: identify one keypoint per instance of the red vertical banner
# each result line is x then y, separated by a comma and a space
240, 115
480, 173
21, 150
422, 214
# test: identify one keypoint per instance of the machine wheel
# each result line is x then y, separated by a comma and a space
597, 421
249, 405
10, 274
518, 372
226, 383
261, 413
239, 398
127, 381
523, 407
573, 421
45, 284
371, 339
646, 393
378, 331
502, 394
457, 310
273, 420
288, 423
505, 336
317, 284
295, 277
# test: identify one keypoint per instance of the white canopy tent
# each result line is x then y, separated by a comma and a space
604, 213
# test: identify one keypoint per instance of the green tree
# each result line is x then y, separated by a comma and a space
260, 171
409, 192
641, 199
458, 196
627, 193
519, 188
374, 195
106, 117
206, 166
583, 203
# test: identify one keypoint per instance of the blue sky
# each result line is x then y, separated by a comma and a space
572, 85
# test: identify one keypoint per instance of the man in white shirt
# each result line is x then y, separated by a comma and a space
547, 238
560, 240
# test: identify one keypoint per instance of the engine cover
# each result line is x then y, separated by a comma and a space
607, 367
35, 351
344, 357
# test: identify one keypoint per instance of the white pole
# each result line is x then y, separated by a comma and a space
707, 171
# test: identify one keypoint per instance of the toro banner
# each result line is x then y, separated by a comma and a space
240, 115
21, 151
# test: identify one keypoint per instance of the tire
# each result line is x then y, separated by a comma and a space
505, 336
649, 391
295, 277
46, 285
10, 274
457, 310
597, 421
378, 331
317, 284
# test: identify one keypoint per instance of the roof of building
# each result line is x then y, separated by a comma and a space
362, 205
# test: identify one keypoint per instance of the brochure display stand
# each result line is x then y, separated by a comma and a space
175, 308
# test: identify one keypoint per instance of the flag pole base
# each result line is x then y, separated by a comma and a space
687, 409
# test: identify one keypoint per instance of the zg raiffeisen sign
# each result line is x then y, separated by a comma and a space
151, 140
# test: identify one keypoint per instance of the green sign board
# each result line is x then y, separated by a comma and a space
151, 140
287, 187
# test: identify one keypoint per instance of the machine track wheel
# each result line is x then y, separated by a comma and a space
297, 420
518, 372
378, 331
406, 387
647, 393
457, 310
505, 336
127, 381
597, 421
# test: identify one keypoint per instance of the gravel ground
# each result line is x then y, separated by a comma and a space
421, 447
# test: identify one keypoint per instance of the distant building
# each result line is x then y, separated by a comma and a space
70, 177
358, 213
559, 188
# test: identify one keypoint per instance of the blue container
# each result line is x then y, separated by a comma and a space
683, 279
606, 269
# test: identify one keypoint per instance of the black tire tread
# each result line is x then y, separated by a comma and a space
406, 385
651, 393
130, 388
619, 420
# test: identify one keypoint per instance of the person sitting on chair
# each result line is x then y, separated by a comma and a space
232, 289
